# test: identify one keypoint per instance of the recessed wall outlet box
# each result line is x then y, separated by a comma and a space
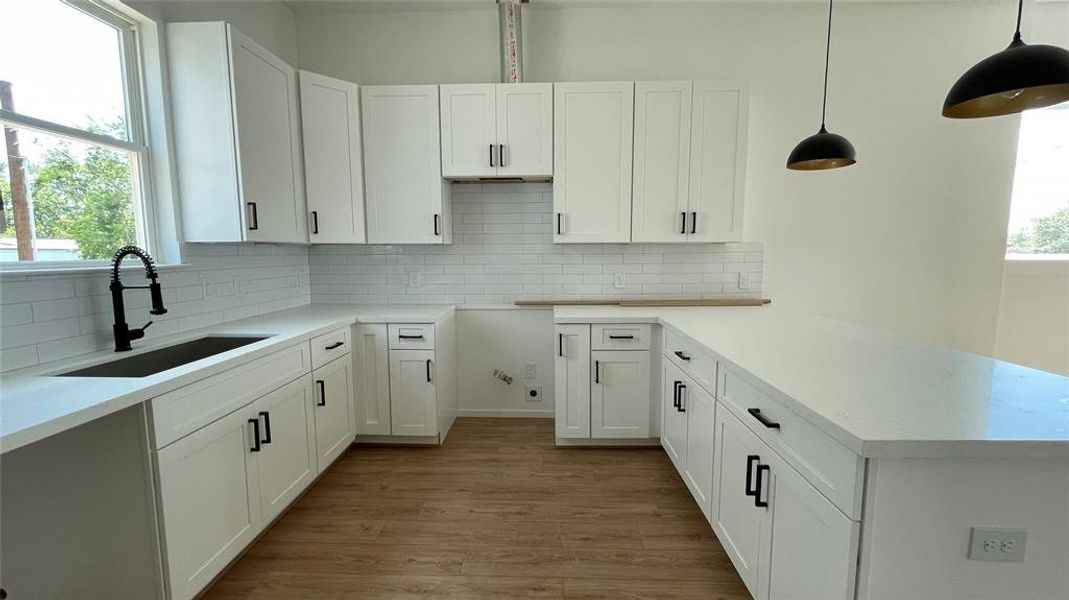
415, 279
619, 280
532, 393
530, 371
997, 543
744, 281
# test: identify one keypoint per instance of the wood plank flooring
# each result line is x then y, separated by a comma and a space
496, 512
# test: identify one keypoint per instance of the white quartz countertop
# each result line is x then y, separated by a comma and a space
34, 404
878, 394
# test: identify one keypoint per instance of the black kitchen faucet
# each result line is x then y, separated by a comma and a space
123, 334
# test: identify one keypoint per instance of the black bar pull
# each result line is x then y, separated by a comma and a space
255, 435
501, 155
750, 461
757, 501
560, 344
428, 370
437, 224
682, 355
597, 371
267, 426
683, 227
255, 218
675, 393
756, 413
621, 337
334, 345
558, 224
402, 336
694, 222
315, 221
491, 155
322, 392
682, 405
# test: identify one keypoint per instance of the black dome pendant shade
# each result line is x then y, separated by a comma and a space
823, 150
1014, 80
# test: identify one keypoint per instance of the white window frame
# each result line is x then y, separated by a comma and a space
137, 143
1019, 263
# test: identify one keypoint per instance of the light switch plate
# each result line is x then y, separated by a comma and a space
619, 280
744, 281
997, 543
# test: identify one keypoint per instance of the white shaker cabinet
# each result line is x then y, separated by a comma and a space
690, 161
237, 137
286, 459
406, 198
620, 394
673, 420
413, 394
371, 390
497, 130
699, 407
592, 153
333, 403
333, 164
572, 381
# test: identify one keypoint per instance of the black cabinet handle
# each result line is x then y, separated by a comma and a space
694, 222
491, 155
560, 344
756, 413
402, 336
267, 426
334, 345
501, 155
682, 406
675, 393
683, 227
428, 370
255, 435
558, 224
255, 218
315, 221
597, 371
750, 461
437, 224
757, 501
681, 355
322, 392
621, 337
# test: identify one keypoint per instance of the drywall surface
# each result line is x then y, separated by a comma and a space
1033, 324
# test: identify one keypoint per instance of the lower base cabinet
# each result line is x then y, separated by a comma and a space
286, 461
413, 394
333, 403
687, 432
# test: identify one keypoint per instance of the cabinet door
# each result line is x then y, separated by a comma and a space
571, 367
525, 129
265, 108
209, 504
469, 138
814, 545
592, 136
371, 389
405, 194
717, 162
287, 461
333, 401
413, 401
662, 161
333, 166
739, 523
673, 419
620, 394
700, 408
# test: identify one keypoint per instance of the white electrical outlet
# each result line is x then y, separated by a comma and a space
532, 393
415, 279
744, 281
997, 543
619, 280
530, 371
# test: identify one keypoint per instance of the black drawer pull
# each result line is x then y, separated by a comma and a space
437, 224
682, 405
694, 222
428, 370
756, 412
683, 227
402, 336
334, 345
267, 426
501, 155
558, 224
682, 355
675, 394
322, 392
254, 217
597, 371
621, 337
757, 501
560, 345
750, 461
315, 221
255, 435
491, 155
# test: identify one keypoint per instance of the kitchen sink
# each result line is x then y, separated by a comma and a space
156, 361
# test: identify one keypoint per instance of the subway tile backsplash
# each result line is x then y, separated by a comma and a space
503, 251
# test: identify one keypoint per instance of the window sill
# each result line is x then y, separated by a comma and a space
60, 269
1037, 264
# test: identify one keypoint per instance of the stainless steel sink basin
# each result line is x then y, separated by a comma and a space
156, 361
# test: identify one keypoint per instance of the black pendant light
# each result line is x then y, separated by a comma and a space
1014, 80
823, 150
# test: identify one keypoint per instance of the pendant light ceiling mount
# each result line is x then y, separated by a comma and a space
1019, 78
823, 150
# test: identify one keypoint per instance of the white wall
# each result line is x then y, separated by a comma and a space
1033, 325
910, 240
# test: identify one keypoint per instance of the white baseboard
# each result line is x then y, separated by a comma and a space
515, 414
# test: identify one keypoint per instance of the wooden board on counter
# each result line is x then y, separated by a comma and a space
651, 302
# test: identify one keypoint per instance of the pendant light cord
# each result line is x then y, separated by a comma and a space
1020, 9
827, 61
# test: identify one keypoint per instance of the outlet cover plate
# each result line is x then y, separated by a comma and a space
997, 543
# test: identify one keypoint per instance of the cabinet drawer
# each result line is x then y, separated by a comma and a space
829, 466
329, 346
691, 358
619, 337
412, 337
189, 408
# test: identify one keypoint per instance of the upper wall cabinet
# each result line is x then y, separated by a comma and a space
690, 151
333, 167
407, 199
592, 136
237, 137
497, 130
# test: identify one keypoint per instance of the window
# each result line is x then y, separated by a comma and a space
1039, 215
73, 173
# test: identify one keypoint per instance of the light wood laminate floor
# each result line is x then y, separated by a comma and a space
496, 512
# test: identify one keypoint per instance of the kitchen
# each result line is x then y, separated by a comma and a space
389, 177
